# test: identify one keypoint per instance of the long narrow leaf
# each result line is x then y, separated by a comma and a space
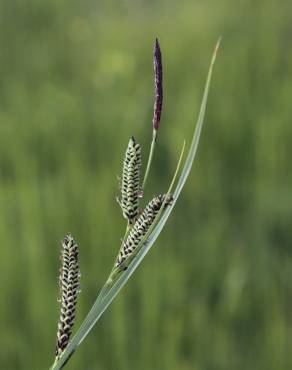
192, 152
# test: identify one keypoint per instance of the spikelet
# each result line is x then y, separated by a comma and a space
69, 288
130, 186
140, 228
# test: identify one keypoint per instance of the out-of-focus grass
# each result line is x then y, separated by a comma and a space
76, 82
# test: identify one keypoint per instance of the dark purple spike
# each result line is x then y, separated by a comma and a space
158, 86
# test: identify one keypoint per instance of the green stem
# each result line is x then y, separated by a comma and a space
54, 364
153, 142
114, 271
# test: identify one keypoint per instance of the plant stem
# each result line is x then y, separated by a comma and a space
114, 271
153, 142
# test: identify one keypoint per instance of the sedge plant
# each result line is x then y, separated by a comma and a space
142, 226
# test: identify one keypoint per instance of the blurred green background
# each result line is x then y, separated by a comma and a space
215, 293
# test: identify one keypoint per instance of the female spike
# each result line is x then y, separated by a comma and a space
140, 228
130, 186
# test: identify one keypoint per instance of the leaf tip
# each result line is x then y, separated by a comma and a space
216, 49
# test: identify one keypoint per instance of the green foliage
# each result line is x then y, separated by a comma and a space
76, 80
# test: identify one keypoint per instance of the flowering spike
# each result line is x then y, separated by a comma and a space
130, 185
69, 288
140, 228
157, 62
